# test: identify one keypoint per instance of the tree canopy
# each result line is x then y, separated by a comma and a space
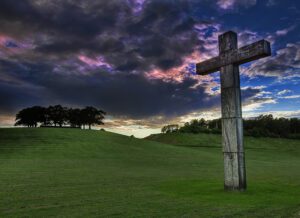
59, 116
261, 126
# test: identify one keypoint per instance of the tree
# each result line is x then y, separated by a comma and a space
30, 117
57, 115
91, 116
170, 128
261, 126
74, 117
215, 124
202, 123
295, 125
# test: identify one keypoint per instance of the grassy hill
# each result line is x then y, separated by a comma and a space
80, 173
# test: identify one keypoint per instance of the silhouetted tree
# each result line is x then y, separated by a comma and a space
170, 128
74, 117
91, 116
295, 125
57, 115
30, 117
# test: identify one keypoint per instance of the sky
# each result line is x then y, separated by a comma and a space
135, 59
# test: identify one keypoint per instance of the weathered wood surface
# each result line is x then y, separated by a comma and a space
235, 178
231, 102
230, 77
232, 122
232, 135
243, 55
228, 61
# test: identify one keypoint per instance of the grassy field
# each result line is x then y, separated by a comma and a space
81, 173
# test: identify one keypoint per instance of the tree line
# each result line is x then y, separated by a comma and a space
261, 126
59, 116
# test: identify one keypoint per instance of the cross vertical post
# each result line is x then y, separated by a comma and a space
232, 122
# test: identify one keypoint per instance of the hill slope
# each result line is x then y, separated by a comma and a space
78, 173
214, 140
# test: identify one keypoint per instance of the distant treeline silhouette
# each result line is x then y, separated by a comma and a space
59, 116
261, 126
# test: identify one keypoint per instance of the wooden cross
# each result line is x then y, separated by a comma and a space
228, 61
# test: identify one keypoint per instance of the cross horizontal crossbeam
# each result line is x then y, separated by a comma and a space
239, 56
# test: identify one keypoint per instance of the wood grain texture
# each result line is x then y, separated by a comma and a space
231, 172
232, 132
234, 171
228, 61
227, 42
232, 123
231, 102
230, 76
243, 55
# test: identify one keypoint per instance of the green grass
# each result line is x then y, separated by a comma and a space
81, 173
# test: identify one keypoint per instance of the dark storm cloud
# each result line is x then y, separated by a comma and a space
69, 40
284, 64
119, 94
161, 34
133, 95
14, 97
79, 18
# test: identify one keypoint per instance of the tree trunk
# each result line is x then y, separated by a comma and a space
89, 126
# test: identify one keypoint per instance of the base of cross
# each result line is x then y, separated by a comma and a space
228, 61
234, 170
